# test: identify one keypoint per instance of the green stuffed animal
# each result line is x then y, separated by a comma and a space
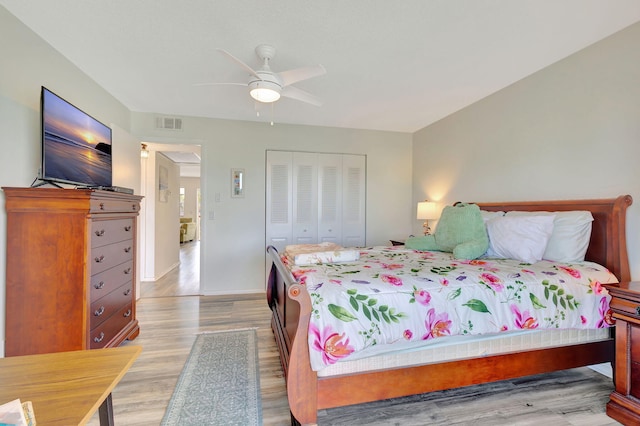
461, 231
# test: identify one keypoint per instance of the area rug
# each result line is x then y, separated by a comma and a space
220, 382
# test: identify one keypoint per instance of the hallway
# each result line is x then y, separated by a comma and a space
184, 280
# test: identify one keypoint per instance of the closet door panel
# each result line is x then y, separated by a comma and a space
279, 199
353, 200
330, 198
305, 198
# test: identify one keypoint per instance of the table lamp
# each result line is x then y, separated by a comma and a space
426, 211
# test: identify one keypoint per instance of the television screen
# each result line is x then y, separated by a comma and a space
76, 148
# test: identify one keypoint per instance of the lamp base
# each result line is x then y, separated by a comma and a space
427, 228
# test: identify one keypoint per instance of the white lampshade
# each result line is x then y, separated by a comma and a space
427, 210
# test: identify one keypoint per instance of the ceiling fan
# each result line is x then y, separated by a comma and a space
267, 86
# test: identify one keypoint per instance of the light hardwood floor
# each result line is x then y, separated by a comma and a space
170, 320
181, 281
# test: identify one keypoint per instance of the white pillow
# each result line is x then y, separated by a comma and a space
487, 215
523, 238
571, 234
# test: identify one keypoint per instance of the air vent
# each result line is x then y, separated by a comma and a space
169, 123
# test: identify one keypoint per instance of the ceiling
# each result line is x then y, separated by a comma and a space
391, 65
187, 157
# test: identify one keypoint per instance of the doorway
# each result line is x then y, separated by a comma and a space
169, 267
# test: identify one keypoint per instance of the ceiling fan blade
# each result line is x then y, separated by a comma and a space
300, 95
299, 74
239, 62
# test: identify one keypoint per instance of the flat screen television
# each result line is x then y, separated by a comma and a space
76, 148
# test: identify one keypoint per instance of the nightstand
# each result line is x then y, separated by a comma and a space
624, 401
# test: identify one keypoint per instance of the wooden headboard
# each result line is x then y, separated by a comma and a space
608, 244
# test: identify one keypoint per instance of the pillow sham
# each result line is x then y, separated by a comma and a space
523, 238
571, 234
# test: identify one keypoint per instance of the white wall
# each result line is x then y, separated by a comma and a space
167, 229
28, 63
570, 131
126, 173
147, 222
233, 242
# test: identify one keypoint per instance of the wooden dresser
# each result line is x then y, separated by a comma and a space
624, 402
71, 268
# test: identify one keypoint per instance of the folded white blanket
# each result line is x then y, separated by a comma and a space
313, 254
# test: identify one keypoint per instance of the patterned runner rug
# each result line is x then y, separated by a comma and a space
220, 382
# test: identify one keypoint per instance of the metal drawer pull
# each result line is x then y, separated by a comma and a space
127, 314
101, 206
100, 233
127, 249
127, 271
127, 228
637, 310
99, 311
99, 285
99, 339
127, 292
134, 207
99, 259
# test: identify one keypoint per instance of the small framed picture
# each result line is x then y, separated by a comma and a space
237, 183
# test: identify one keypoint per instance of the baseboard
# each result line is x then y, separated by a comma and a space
232, 292
162, 274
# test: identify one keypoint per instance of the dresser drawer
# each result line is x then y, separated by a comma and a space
107, 281
104, 232
106, 257
106, 306
105, 332
626, 307
113, 206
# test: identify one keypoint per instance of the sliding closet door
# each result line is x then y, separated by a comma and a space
315, 197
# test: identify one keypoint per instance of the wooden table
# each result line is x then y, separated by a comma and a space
66, 388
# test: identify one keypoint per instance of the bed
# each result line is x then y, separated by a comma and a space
309, 390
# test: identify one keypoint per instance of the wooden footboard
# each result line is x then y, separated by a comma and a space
307, 393
291, 307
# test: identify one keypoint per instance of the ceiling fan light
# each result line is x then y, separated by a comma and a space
263, 94
264, 91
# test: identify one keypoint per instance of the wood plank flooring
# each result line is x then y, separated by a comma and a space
170, 320
181, 281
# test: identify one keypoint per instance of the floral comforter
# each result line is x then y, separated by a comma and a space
394, 295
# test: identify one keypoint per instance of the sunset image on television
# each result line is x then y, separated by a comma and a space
77, 147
